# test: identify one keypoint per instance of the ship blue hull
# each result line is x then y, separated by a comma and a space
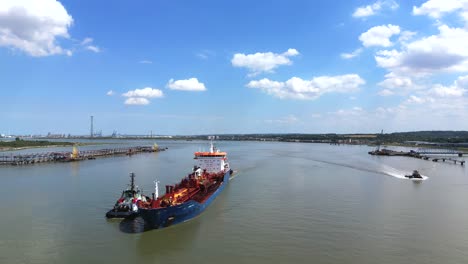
164, 217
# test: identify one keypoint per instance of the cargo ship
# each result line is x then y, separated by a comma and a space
192, 195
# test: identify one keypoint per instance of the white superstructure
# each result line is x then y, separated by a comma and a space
212, 161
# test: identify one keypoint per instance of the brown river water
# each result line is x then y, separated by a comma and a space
289, 202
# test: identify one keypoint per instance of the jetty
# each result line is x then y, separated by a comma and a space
422, 154
74, 155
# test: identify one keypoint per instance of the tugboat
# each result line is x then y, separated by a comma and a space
126, 206
192, 195
415, 175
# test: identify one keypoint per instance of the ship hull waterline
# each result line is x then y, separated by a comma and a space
168, 216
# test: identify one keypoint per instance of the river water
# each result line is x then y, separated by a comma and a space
289, 202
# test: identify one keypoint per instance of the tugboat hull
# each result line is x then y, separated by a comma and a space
113, 214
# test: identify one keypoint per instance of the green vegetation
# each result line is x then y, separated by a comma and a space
19, 143
426, 136
399, 138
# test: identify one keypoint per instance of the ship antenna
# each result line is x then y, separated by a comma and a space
132, 181
211, 146
156, 188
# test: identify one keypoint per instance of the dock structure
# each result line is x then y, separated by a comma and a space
455, 161
75, 155
422, 155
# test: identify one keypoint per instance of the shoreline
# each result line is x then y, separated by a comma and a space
8, 149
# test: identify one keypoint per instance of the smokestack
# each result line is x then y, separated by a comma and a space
92, 132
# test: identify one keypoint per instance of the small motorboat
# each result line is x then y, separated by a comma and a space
414, 175
126, 206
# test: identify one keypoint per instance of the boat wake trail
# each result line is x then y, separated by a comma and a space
234, 174
386, 170
399, 174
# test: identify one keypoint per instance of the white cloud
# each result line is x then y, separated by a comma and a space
94, 49
147, 92
87, 45
462, 82
379, 35
110, 93
452, 91
191, 84
263, 62
297, 88
137, 101
145, 62
418, 100
414, 113
457, 89
394, 83
355, 111
445, 52
373, 9
288, 120
205, 54
437, 8
86, 41
352, 54
405, 36
385, 92
33, 26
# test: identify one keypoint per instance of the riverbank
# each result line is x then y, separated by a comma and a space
30, 144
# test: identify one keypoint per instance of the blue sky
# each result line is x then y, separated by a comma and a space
207, 67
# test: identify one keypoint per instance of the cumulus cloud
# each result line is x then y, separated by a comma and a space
351, 55
437, 8
458, 89
191, 84
263, 62
373, 9
297, 88
394, 83
379, 35
452, 91
33, 26
110, 93
419, 100
444, 52
147, 92
385, 92
137, 101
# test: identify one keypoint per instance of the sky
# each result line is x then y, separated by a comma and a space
219, 67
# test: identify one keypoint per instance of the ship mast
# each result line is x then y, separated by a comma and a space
132, 181
211, 146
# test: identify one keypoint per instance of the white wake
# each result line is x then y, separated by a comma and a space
400, 174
